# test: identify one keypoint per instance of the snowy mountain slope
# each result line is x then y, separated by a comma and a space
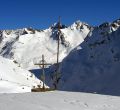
95, 67
13, 79
58, 101
27, 45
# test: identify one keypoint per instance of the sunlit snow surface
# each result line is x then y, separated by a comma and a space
58, 101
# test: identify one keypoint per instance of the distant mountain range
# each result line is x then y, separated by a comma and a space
27, 45
89, 56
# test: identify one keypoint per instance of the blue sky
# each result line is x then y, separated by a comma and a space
42, 13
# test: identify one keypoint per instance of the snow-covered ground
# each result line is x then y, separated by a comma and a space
58, 100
